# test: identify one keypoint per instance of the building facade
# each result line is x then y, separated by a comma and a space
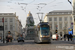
59, 20
73, 15
18, 27
10, 24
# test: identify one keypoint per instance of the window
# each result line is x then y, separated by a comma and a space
65, 25
50, 26
62, 13
68, 13
6, 27
60, 18
60, 25
52, 13
0, 14
57, 13
0, 19
65, 18
55, 25
11, 27
50, 19
5, 14
11, 20
55, 19
5, 19
70, 18
11, 14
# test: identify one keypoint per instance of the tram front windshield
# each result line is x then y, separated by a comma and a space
44, 31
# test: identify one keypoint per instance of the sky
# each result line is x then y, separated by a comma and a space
22, 8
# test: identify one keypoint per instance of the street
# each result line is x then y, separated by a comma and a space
30, 45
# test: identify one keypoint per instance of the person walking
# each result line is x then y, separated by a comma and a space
64, 37
70, 37
56, 36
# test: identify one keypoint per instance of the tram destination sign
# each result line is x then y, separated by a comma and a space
44, 25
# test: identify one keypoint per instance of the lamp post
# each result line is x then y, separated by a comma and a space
73, 14
3, 29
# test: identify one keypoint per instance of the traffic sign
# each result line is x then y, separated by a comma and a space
71, 23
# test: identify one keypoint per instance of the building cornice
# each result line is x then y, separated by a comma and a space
7, 16
58, 15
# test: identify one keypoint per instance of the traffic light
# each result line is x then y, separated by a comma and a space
56, 31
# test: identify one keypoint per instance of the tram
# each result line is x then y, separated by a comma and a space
42, 33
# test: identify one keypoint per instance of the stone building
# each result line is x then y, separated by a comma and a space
60, 20
11, 23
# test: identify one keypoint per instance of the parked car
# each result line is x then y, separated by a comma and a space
20, 39
54, 37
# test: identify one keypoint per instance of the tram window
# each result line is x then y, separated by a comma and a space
44, 26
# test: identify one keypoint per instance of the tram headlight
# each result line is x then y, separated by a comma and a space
41, 36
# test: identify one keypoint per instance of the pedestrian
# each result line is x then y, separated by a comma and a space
56, 36
64, 37
68, 36
71, 37
7, 40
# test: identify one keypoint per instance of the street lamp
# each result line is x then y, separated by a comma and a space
3, 29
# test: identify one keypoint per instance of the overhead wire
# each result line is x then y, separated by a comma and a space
26, 4
24, 8
45, 4
49, 3
70, 2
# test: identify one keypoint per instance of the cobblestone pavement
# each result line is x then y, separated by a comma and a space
30, 45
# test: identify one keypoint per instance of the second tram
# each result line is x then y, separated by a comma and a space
42, 33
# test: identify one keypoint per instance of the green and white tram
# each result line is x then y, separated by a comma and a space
42, 33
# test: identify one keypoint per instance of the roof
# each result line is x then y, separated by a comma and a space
61, 11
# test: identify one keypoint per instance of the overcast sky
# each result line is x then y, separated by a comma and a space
22, 7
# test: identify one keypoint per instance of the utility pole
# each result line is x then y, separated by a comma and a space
73, 16
69, 1
3, 29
